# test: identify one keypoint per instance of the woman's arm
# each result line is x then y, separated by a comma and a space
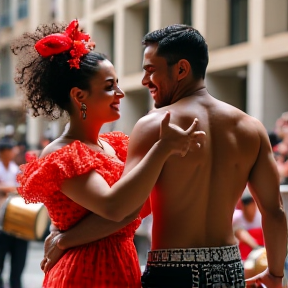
131, 191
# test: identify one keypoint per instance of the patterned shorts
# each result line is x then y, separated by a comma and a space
194, 268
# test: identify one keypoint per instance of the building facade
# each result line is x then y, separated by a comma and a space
247, 39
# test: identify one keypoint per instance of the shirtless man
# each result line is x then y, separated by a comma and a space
195, 196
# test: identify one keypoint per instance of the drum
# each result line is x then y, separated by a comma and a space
26, 221
255, 263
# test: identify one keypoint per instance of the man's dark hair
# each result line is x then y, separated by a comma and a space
176, 42
7, 143
247, 199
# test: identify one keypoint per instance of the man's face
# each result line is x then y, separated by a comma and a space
159, 78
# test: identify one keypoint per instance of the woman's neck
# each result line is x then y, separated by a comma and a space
79, 130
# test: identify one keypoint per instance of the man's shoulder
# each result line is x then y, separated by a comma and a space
146, 131
150, 122
154, 116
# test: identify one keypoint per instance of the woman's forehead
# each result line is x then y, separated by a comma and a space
106, 71
106, 68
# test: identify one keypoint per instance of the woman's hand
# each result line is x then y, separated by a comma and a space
264, 279
52, 253
178, 140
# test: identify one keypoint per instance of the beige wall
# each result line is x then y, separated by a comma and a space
217, 35
275, 91
228, 88
102, 35
276, 16
263, 55
134, 28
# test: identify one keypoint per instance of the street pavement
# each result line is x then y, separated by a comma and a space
32, 276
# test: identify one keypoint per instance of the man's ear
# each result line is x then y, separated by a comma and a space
184, 68
78, 95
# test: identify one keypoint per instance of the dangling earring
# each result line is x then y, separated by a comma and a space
83, 111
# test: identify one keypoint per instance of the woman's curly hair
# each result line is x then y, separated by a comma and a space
46, 82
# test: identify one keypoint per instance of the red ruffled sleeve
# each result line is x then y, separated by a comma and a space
41, 177
119, 141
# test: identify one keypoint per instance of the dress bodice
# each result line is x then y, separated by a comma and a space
41, 179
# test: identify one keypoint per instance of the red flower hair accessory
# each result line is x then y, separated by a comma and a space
71, 40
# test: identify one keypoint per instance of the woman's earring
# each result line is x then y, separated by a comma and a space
83, 111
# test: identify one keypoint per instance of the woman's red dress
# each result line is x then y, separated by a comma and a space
109, 262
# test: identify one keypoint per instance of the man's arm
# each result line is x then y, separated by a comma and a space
264, 186
89, 229
143, 136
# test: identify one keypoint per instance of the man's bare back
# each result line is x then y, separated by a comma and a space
194, 198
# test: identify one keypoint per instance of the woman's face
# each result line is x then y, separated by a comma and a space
103, 101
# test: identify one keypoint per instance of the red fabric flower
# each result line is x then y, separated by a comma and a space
71, 40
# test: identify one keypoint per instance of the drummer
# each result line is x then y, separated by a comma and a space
8, 243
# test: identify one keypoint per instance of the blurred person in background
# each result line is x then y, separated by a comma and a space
247, 225
280, 148
276, 135
9, 132
21, 149
34, 154
16, 247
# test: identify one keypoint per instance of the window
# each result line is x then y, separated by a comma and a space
22, 9
187, 12
5, 18
238, 21
5, 75
97, 3
146, 21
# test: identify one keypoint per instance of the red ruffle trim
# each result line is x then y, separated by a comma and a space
119, 142
41, 177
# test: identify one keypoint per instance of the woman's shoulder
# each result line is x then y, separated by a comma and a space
57, 163
54, 146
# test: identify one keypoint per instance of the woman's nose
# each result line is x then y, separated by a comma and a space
119, 92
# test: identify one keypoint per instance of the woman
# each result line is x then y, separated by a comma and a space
77, 173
